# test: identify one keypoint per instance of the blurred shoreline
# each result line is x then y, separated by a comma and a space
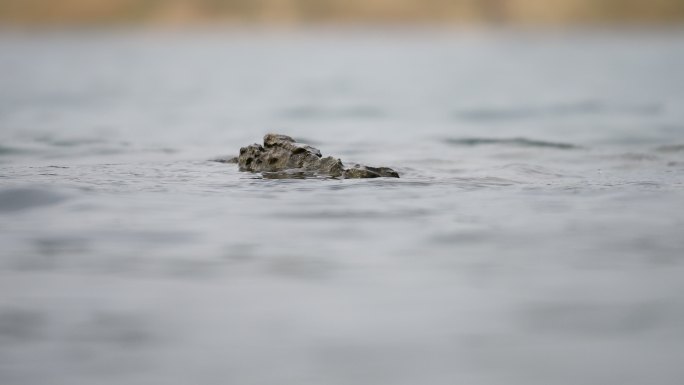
333, 30
284, 13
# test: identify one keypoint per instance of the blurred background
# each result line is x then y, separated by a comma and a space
534, 237
525, 12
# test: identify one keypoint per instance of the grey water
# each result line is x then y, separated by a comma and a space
536, 235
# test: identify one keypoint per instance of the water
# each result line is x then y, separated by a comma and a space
535, 235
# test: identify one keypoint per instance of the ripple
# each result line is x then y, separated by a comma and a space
19, 199
318, 112
534, 170
5, 150
671, 148
21, 325
485, 182
113, 329
70, 142
230, 159
557, 110
592, 319
633, 157
329, 214
518, 142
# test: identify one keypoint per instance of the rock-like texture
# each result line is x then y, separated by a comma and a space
359, 171
281, 153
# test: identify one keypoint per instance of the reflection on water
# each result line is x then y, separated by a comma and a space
534, 236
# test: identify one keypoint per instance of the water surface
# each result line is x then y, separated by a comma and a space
535, 235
